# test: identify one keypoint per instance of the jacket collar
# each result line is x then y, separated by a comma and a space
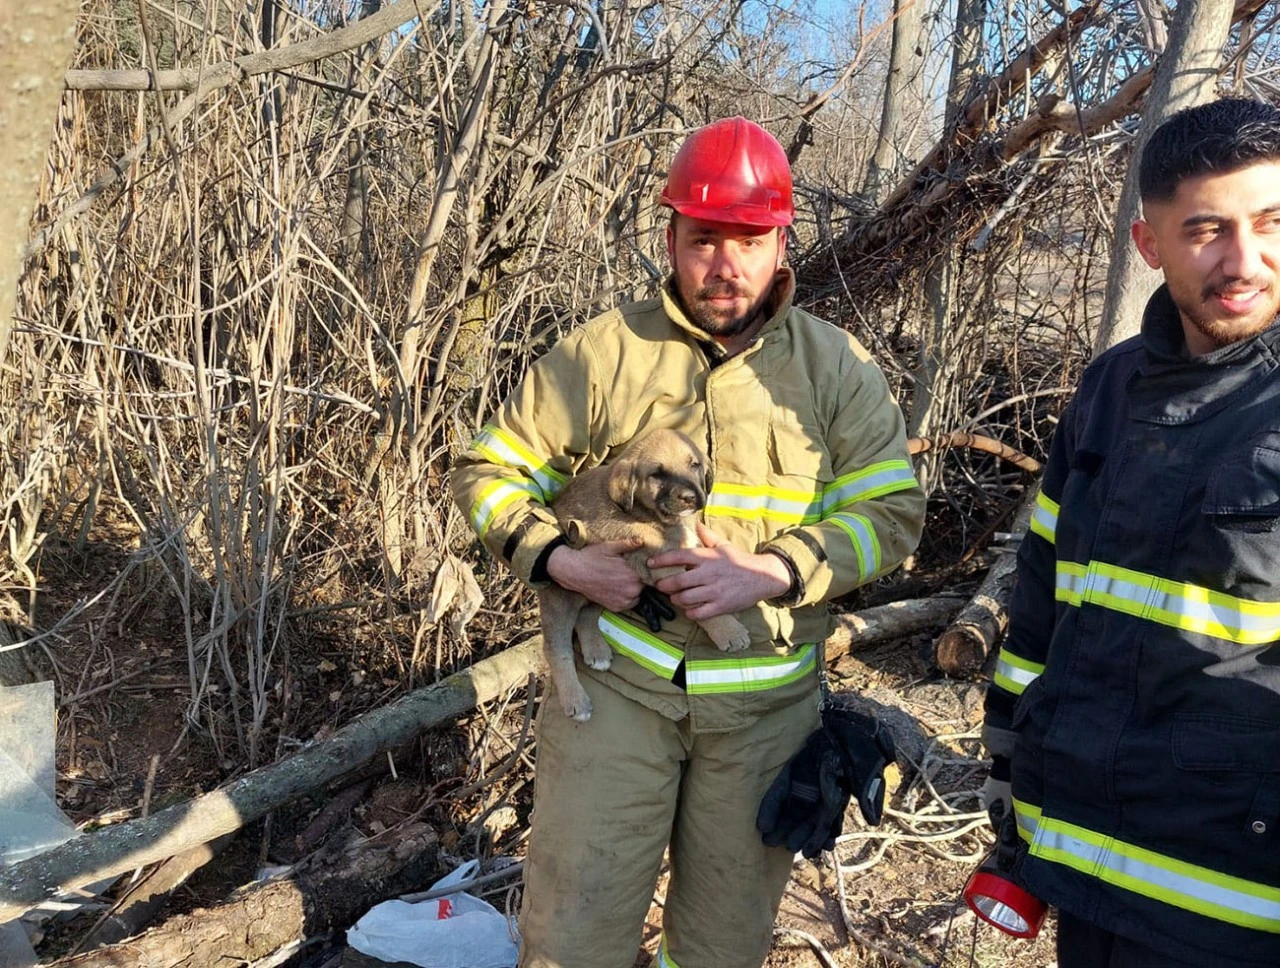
1172, 387
784, 290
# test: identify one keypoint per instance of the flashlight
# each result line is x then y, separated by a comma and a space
1003, 904
993, 896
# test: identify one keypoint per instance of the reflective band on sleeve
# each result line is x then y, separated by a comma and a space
501, 447
704, 677
664, 956
1188, 886
865, 544
498, 495
640, 646
886, 477
1177, 604
1014, 673
1044, 519
769, 503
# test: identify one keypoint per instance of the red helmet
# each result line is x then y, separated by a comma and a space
731, 171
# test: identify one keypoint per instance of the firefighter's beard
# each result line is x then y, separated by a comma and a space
1219, 324
724, 321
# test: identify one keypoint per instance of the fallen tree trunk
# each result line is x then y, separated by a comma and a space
874, 626
184, 826
964, 646
142, 903
263, 918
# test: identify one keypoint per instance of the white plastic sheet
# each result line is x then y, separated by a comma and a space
30, 821
454, 931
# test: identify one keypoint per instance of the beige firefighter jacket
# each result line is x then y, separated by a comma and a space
808, 458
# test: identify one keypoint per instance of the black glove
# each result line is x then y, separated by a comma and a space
804, 807
653, 607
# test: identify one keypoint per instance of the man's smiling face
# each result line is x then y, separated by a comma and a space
1218, 243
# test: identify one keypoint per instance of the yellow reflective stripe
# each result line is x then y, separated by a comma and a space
1044, 519
761, 501
500, 447
1014, 673
1180, 605
640, 646
496, 496
1028, 817
886, 477
791, 506
664, 956
705, 677
1191, 887
865, 543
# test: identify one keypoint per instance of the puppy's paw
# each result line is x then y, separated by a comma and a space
576, 704
596, 653
728, 633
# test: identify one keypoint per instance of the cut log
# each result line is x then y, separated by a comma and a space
873, 626
184, 826
964, 646
263, 918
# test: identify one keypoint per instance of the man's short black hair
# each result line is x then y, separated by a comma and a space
1216, 137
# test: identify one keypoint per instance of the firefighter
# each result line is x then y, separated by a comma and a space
813, 495
1136, 704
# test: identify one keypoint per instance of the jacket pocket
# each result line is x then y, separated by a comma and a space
797, 452
1243, 494
1231, 774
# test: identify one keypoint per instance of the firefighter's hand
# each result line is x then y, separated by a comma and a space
598, 572
720, 579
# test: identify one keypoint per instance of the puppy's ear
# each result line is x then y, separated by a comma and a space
624, 478
575, 533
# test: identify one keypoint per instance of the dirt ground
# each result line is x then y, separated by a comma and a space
125, 745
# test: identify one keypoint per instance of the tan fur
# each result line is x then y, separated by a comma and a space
653, 492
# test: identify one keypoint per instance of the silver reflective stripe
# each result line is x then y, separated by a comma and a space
641, 647
498, 495
875, 481
742, 501
865, 544
1044, 519
503, 448
1177, 604
1014, 673
752, 674
1191, 887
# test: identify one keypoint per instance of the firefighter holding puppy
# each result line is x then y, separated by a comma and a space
725, 760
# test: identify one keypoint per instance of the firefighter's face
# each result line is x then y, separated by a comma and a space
1218, 243
724, 272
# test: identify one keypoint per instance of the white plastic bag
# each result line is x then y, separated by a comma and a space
454, 931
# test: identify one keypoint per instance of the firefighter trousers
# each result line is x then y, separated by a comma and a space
611, 794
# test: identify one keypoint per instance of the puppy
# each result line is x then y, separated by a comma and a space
653, 492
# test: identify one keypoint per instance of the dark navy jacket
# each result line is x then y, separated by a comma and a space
1142, 668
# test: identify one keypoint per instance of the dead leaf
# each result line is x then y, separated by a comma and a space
470, 598
444, 590
326, 666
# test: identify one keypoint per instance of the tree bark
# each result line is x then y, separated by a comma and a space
977, 630
1185, 75
855, 631
263, 918
903, 91
127, 846
927, 404
36, 41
